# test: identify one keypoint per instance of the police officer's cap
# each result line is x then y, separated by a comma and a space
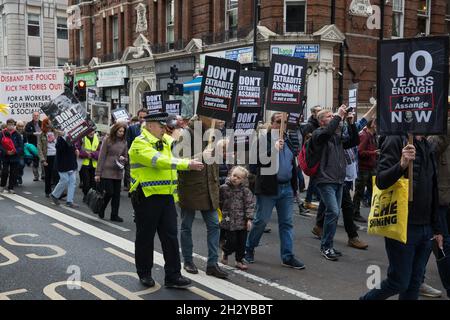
160, 117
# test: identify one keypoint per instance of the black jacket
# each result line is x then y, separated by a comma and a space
66, 159
310, 126
29, 132
268, 184
331, 146
423, 210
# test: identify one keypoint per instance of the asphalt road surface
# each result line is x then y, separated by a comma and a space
50, 252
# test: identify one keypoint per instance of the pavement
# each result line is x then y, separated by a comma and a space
54, 252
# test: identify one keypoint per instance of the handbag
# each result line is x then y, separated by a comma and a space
95, 200
389, 211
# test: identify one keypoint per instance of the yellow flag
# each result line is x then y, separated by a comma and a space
4, 108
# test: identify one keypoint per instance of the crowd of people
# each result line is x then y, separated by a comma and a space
237, 201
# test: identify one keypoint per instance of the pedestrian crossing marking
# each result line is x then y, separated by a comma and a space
112, 225
25, 210
4, 295
195, 290
65, 229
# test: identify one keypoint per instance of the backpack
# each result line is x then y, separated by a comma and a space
7, 143
308, 160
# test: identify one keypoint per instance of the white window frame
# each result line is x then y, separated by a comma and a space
115, 34
62, 28
170, 22
228, 11
33, 24
426, 14
286, 3
401, 12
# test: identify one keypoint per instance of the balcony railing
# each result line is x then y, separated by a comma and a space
227, 35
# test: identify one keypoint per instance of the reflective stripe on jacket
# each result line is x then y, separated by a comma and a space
155, 170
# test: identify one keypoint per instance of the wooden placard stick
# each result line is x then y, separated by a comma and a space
410, 170
283, 124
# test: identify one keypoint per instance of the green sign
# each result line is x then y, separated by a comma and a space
89, 77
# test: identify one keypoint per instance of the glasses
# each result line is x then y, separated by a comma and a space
279, 121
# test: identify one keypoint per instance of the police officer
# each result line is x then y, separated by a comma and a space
153, 195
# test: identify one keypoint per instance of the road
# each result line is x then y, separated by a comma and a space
50, 252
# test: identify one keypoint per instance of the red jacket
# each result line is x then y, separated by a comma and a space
367, 150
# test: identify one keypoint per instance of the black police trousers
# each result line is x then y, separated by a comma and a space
157, 213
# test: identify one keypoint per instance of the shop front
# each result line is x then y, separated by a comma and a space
113, 85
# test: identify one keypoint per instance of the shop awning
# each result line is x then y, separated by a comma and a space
194, 84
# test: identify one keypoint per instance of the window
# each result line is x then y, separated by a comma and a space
61, 28
295, 16
423, 17
62, 62
34, 25
397, 18
170, 17
34, 61
115, 35
231, 18
81, 36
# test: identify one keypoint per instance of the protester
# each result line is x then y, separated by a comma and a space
153, 190
20, 128
237, 204
89, 151
31, 156
367, 154
407, 262
47, 154
11, 149
441, 147
276, 190
346, 204
32, 132
111, 163
133, 131
66, 164
330, 177
199, 190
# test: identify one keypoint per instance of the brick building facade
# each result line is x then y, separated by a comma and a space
186, 30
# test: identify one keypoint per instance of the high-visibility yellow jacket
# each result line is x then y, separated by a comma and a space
155, 170
90, 147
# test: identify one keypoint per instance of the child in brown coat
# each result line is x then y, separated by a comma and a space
237, 204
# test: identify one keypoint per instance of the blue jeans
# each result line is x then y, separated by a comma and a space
211, 219
283, 201
330, 198
301, 179
407, 263
444, 264
312, 189
66, 180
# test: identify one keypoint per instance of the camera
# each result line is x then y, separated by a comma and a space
350, 109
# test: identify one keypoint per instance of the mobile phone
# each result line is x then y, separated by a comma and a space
350, 109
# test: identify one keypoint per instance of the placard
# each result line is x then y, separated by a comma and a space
413, 86
173, 107
154, 101
286, 83
219, 87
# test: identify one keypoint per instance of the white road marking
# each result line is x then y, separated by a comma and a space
65, 229
26, 192
2, 198
4, 295
112, 225
25, 210
195, 290
263, 281
224, 287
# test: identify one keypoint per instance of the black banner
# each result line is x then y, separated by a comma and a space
154, 101
413, 86
173, 107
286, 83
249, 100
218, 90
68, 115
